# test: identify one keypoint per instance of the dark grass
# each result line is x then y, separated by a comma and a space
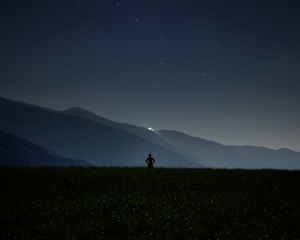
121, 203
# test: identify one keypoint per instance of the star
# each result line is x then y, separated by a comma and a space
117, 4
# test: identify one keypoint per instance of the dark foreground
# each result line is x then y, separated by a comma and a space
105, 203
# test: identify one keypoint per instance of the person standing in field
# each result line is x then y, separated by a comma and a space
150, 161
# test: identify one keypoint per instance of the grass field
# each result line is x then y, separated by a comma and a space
121, 203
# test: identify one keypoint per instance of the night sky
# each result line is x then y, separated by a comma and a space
222, 70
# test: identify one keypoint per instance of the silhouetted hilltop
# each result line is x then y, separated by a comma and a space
80, 138
80, 134
213, 154
136, 130
15, 151
142, 132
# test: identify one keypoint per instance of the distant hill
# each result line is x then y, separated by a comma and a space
15, 151
142, 132
82, 138
213, 154
204, 152
136, 130
81, 134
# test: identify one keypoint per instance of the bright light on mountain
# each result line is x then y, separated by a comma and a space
151, 129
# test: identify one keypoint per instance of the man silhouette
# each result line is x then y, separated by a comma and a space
150, 161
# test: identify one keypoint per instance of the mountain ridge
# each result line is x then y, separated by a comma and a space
15, 151
95, 138
232, 156
226, 145
81, 138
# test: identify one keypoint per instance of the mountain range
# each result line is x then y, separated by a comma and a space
15, 151
80, 138
76, 133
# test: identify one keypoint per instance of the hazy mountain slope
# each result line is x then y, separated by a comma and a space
136, 130
213, 154
15, 151
142, 132
80, 134
80, 138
